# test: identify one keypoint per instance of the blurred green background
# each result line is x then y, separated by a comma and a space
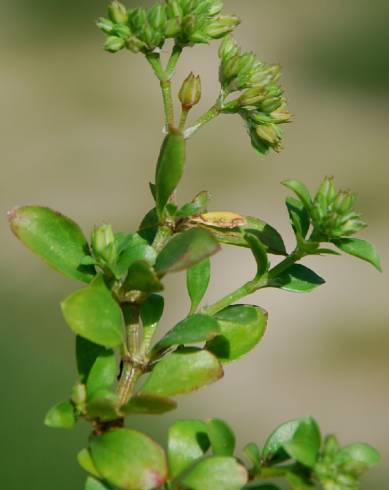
80, 131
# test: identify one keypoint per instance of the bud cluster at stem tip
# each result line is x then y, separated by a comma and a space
261, 102
333, 214
187, 21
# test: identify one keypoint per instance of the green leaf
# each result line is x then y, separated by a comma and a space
86, 354
259, 252
217, 473
187, 442
197, 206
298, 482
252, 452
136, 249
142, 277
93, 314
103, 372
304, 446
222, 437
93, 484
360, 453
268, 235
186, 250
197, 281
298, 439
148, 405
61, 416
151, 312
301, 191
193, 330
242, 327
299, 216
57, 239
170, 168
85, 461
129, 459
361, 249
183, 371
149, 226
103, 405
261, 486
297, 279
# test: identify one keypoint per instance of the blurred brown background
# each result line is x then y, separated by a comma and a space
80, 131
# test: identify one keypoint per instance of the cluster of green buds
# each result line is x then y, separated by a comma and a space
261, 104
187, 21
333, 214
341, 468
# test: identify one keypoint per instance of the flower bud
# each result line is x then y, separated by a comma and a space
252, 96
113, 44
268, 132
105, 25
190, 92
216, 7
117, 12
228, 48
222, 25
103, 244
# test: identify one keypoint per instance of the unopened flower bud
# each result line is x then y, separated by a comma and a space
252, 96
105, 25
103, 244
190, 92
222, 25
117, 12
228, 48
268, 132
216, 7
114, 44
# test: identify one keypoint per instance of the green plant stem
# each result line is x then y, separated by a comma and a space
252, 286
163, 234
131, 367
166, 88
172, 63
211, 114
183, 118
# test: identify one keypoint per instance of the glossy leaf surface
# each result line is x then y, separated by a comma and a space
217, 473
148, 405
361, 249
129, 459
142, 277
61, 416
103, 372
222, 437
193, 330
186, 250
57, 239
170, 168
242, 327
92, 313
183, 371
187, 442
197, 281
298, 279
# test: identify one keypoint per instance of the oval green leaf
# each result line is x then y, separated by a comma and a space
92, 313
183, 371
103, 372
129, 459
222, 437
61, 416
217, 473
85, 461
193, 330
57, 239
298, 439
360, 453
170, 168
148, 405
297, 279
187, 442
197, 281
142, 277
242, 327
361, 249
301, 190
186, 250
103, 405
93, 484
